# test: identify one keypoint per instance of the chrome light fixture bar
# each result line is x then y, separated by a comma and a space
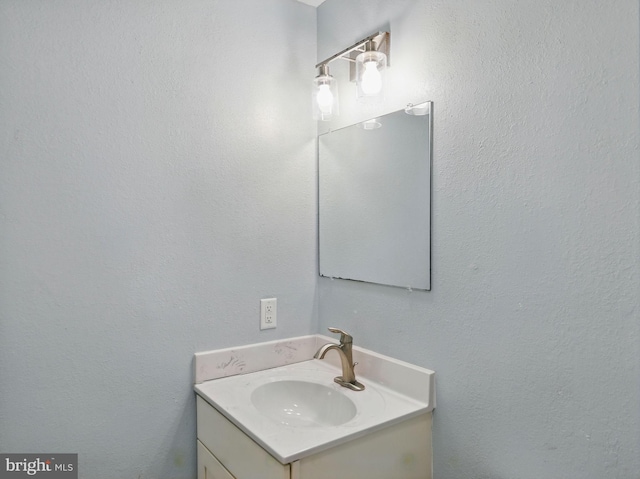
380, 42
368, 59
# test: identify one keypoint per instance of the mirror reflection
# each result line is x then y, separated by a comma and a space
374, 203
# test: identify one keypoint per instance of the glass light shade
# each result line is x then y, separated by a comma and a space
370, 67
324, 97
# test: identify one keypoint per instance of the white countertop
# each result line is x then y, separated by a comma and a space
377, 406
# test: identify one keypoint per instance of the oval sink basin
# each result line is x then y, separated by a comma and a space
302, 403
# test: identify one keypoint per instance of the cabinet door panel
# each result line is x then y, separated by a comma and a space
401, 451
236, 451
208, 465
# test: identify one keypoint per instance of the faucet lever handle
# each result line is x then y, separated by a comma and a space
344, 336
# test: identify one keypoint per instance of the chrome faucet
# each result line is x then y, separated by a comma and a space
348, 378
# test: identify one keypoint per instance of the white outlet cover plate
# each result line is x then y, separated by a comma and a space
268, 313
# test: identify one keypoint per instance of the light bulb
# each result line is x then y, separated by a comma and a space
371, 79
324, 95
324, 98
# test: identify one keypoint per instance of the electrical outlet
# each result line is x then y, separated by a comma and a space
268, 310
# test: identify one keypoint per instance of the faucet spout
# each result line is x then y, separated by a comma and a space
348, 378
347, 366
324, 349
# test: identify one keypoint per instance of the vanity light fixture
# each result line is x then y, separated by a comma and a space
325, 95
370, 66
368, 60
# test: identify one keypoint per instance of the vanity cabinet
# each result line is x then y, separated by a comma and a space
399, 451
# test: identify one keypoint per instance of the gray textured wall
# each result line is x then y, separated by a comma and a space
156, 180
533, 322
140, 144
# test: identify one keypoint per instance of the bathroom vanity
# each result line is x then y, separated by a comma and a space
272, 411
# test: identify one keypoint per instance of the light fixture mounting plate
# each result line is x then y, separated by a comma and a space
381, 42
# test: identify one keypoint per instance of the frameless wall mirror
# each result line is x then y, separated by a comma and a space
374, 200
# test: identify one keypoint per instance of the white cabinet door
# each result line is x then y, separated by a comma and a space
209, 467
400, 451
239, 454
